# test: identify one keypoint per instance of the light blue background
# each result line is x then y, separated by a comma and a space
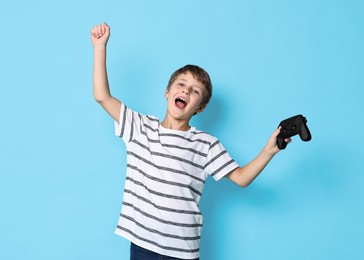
62, 168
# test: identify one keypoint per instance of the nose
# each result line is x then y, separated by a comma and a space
186, 91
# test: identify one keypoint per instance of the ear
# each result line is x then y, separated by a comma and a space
202, 107
166, 93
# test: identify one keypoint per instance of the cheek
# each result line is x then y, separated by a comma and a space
200, 100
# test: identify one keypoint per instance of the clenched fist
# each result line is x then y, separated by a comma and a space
100, 35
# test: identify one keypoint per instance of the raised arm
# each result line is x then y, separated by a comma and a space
100, 35
245, 175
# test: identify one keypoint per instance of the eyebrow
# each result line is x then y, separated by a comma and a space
185, 80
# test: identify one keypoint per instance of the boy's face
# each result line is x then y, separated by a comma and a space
185, 96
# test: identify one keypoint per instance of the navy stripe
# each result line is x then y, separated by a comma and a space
185, 138
159, 193
156, 129
156, 244
169, 145
158, 232
174, 135
168, 156
214, 144
150, 128
123, 121
140, 123
173, 146
160, 207
164, 181
185, 148
199, 132
165, 168
222, 167
132, 127
153, 119
161, 220
215, 158
178, 159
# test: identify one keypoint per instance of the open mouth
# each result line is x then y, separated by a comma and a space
181, 102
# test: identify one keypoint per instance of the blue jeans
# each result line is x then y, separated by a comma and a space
139, 253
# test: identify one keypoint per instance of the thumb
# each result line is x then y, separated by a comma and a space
277, 131
106, 28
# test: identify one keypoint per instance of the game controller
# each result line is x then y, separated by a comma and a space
293, 126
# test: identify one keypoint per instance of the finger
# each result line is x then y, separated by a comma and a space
106, 28
277, 131
288, 140
100, 31
94, 32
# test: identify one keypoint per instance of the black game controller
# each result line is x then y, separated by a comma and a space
293, 126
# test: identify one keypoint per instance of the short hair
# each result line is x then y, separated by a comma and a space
199, 74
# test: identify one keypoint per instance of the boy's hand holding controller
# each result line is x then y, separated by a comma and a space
272, 147
245, 175
292, 126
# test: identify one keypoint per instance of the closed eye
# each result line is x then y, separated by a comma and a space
197, 92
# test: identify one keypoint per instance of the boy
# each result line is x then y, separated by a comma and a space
168, 162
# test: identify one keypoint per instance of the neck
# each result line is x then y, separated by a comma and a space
175, 125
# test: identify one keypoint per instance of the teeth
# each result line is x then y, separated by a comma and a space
182, 99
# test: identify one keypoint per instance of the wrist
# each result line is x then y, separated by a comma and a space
100, 47
269, 152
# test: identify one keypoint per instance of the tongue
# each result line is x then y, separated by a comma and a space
180, 104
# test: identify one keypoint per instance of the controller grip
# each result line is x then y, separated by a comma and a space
281, 143
305, 134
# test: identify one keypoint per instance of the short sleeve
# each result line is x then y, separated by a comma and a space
130, 124
219, 163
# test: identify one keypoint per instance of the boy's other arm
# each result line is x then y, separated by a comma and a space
100, 35
245, 175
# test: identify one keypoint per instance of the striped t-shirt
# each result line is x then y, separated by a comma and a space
166, 172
